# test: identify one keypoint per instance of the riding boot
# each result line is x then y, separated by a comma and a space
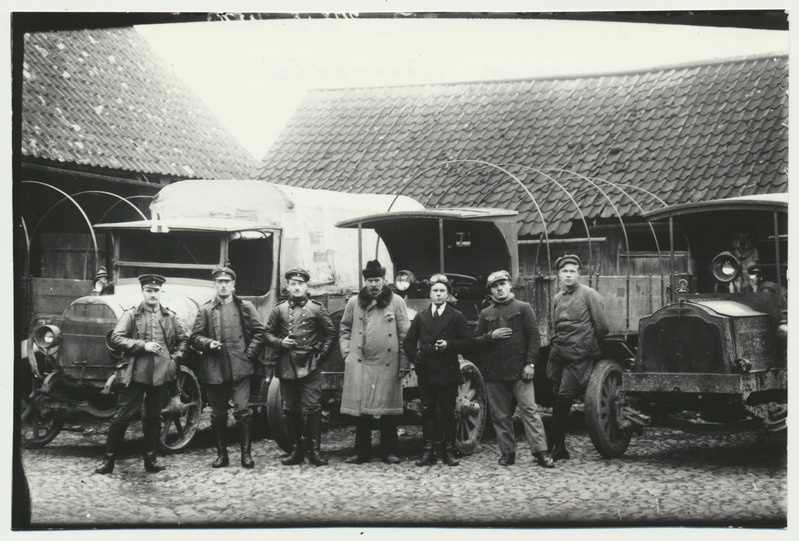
219, 426
116, 434
152, 431
389, 439
314, 427
557, 428
246, 446
428, 457
294, 426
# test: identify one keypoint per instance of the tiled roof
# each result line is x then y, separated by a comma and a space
684, 133
103, 98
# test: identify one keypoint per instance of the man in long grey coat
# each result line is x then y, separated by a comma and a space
373, 328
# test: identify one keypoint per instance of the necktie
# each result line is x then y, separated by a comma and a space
436, 315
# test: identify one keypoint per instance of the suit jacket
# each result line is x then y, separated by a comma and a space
208, 327
438, 367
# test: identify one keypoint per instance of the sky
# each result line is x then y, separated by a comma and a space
253, 74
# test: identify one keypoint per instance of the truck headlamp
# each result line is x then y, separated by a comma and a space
46, 336
725, 267
404, 280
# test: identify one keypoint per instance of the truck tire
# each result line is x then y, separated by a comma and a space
274, 413
601, 398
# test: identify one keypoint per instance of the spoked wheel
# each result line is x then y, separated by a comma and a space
181, 416
471, 408
40, 425
277, 420
601, 402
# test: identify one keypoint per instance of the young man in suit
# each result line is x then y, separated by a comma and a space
436, 336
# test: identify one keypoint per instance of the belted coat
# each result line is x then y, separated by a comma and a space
372, 332
439, 367
126, 338
208, 327
308, 322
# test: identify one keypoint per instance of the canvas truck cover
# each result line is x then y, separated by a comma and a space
307, 218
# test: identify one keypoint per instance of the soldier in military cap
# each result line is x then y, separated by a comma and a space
578, 323
301, 334
153, 340
230, 334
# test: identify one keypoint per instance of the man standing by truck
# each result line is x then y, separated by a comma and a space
230, 335
509, 329
153, 340
373, 328
578, 323
301, 334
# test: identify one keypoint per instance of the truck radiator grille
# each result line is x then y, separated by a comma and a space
682, 344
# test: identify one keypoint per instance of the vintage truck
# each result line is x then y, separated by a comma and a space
714, 359
256, 227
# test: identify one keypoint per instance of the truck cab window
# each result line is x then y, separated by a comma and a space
252, 259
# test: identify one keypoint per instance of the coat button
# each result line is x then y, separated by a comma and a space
359, 360
388, 363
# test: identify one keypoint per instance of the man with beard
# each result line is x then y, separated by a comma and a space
509, 330
373, 328
153, 339
230, 334
301, 334
578, 323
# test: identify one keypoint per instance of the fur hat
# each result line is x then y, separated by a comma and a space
373, 270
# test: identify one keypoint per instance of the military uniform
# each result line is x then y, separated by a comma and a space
298, 368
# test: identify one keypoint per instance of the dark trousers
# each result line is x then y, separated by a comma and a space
569, 379
438, 404
220, 394
303, 393
388, 434
130, 401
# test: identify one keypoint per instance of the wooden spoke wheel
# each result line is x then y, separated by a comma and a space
277, 420
181, 416
601, 401
471, 409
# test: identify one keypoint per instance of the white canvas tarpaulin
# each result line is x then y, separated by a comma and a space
307, 218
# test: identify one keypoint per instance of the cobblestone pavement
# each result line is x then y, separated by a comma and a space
666, 478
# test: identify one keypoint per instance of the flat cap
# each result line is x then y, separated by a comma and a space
297, 274
223, 272
568, 258
496, 276
151, 280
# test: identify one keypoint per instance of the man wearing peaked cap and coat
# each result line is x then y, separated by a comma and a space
153, 339
578, 323
373, 328
302, 335
508, 329
230, 334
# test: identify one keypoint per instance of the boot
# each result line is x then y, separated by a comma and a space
314, 429
116, 433
557, 428
152, 430
507, 460
544, 459
448, 454
389, 439
246, 446
219, 426
294, 426
428, 457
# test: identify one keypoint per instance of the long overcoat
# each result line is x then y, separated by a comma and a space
208, 327
439, 367
372, 332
